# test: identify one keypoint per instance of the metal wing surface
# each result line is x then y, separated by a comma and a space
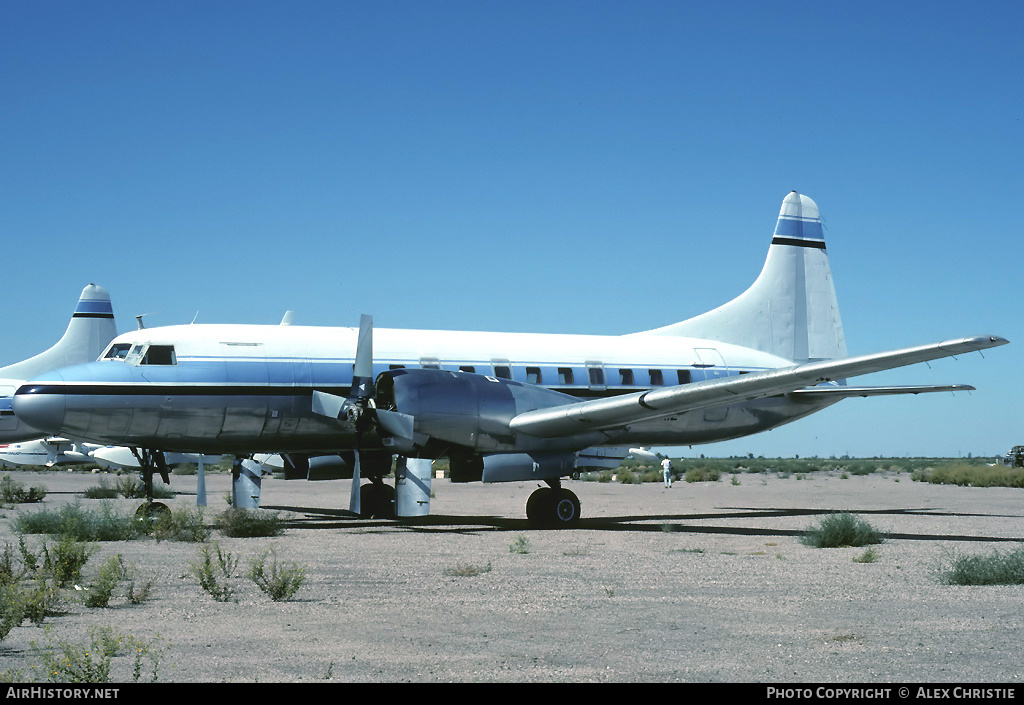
619, 411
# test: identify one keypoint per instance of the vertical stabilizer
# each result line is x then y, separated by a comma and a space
791, 309
91, 328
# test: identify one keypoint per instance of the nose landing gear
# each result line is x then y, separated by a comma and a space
151, 461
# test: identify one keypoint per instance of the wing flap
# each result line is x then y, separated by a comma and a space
821, 393
600, 414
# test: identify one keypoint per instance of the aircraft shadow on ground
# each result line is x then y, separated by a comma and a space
324, 518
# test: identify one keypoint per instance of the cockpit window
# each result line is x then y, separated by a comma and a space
117, 351
159, 355
142, 354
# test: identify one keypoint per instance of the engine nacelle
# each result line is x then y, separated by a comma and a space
516, 467
470, 410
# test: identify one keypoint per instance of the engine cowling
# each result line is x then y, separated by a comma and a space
470, 410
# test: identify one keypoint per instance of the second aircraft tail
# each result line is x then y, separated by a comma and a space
91, 328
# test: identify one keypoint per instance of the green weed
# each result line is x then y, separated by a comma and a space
185, 524
215, 576
998, 568
838, 530
520, 545
102, 524
280, 582
60, 661
14, 492
64, 560
247, 523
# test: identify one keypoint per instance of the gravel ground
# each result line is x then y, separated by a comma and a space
704, 582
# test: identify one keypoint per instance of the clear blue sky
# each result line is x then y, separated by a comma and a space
590, 167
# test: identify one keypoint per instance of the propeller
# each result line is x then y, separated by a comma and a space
358, 408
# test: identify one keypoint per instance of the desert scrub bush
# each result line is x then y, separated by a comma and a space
247, 523
628, 477
837, 530
64, 560
214, 576
111, 574
101, 524
14, 492
466, 570
703, 474
521, 545
12, 609
61, 661
185, 524
971, 476
131, 487
101, 491
870, 555
997, 568
280, 582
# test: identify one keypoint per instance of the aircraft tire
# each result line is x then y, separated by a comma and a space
565, 509
548, 508
151, 510
540, 507
376, 501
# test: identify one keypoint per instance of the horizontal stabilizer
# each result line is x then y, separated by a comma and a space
824, 393
619, 411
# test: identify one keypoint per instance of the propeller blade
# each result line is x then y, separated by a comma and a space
362, 372
396, 423
329, 405
353, 499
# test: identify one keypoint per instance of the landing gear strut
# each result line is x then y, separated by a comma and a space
553, 507
151, 461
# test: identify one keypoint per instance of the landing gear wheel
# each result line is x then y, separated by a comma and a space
151, 511
539, 507
376, 500
550, 508
566, 508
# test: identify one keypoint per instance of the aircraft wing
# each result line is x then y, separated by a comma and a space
618, 411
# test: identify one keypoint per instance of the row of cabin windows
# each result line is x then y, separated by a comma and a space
164, 355
566, 375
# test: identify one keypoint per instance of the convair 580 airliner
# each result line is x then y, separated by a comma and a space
501, 407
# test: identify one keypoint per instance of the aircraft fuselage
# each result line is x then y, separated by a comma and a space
246, 389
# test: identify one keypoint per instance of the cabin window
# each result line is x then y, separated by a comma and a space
656, 379
159, 355
683, 376
533, 375
596, 375
467, 368
391, 367
565, 375
502, 372
117, 351
626, 377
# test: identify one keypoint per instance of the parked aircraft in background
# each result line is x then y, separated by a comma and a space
501, 407
53, 451
91, 328
46, 452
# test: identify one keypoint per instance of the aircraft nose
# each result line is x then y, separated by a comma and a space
41, 406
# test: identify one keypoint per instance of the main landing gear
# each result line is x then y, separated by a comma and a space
151, 461
553, 507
